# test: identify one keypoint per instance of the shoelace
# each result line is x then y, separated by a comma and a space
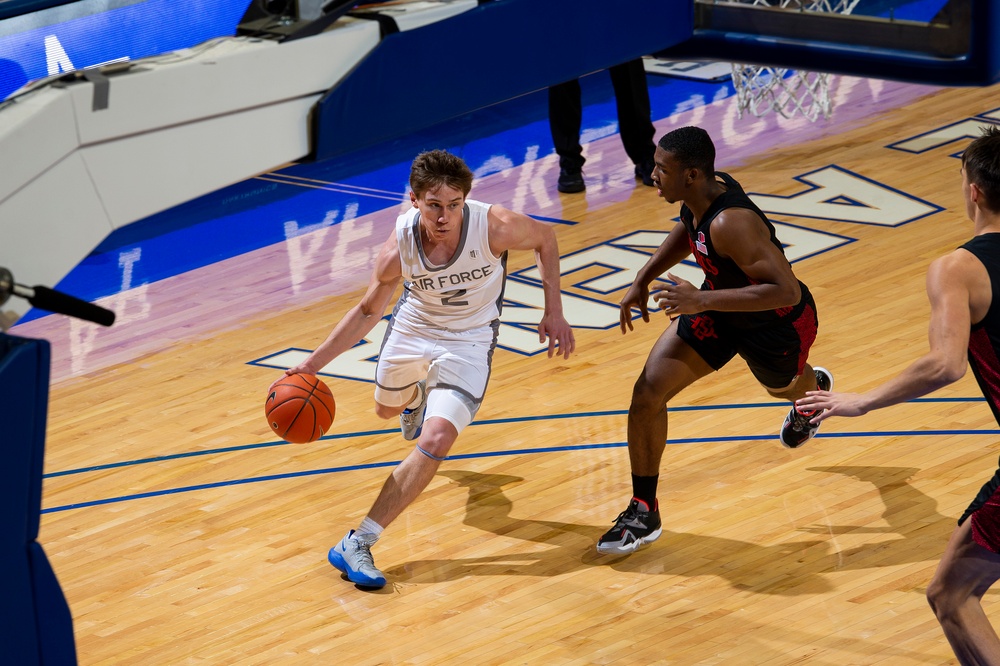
364, 553
800, 422
631, 513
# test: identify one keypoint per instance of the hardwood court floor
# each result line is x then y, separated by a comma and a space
183, 533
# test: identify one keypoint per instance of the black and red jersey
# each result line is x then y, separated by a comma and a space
722, 272
984, 337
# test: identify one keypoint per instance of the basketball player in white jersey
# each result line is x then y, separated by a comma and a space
450, 253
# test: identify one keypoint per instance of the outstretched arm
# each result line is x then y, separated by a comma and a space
360, 319
950, 281
515, 231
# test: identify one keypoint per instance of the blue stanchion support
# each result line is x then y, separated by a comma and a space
36, 626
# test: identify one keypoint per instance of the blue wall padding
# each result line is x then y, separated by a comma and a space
35, 622
495, 52
52, 615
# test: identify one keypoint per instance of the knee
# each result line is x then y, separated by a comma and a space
934, 596
646, 397
437, 441
943, 601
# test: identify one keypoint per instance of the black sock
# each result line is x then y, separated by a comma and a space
644, 488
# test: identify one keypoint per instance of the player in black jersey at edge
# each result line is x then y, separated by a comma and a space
750, 304
964, 291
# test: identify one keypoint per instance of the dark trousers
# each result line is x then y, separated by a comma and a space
634, 116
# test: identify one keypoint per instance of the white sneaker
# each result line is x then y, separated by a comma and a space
412, 420
353, 556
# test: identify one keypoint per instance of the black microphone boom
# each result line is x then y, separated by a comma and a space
54, 301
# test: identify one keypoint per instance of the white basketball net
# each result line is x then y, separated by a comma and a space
761, 89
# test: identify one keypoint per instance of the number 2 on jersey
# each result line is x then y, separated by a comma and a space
448, 298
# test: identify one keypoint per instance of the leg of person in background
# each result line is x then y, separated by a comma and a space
635, 122
565, 119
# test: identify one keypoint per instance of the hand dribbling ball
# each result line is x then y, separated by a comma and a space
300, 408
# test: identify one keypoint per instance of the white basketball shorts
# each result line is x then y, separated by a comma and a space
456, 365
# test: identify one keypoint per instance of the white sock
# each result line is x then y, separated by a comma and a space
370, 528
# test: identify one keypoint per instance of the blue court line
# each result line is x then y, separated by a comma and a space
494, 454
554, 220
365, 433
518, 419
948, 400
217, 484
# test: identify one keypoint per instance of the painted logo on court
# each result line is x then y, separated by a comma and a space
595, 278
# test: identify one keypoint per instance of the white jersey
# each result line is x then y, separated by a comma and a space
463, 294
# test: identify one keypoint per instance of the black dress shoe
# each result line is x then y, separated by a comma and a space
571, 182
644, 172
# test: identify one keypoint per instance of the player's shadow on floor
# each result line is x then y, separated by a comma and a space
791, 568
903, 503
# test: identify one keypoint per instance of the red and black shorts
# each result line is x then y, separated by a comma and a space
985, 514
775, 352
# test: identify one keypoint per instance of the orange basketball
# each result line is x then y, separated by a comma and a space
300, 408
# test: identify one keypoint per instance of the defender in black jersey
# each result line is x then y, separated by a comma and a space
751, 305
964, 290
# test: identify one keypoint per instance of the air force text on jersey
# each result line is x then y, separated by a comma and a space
425, 283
